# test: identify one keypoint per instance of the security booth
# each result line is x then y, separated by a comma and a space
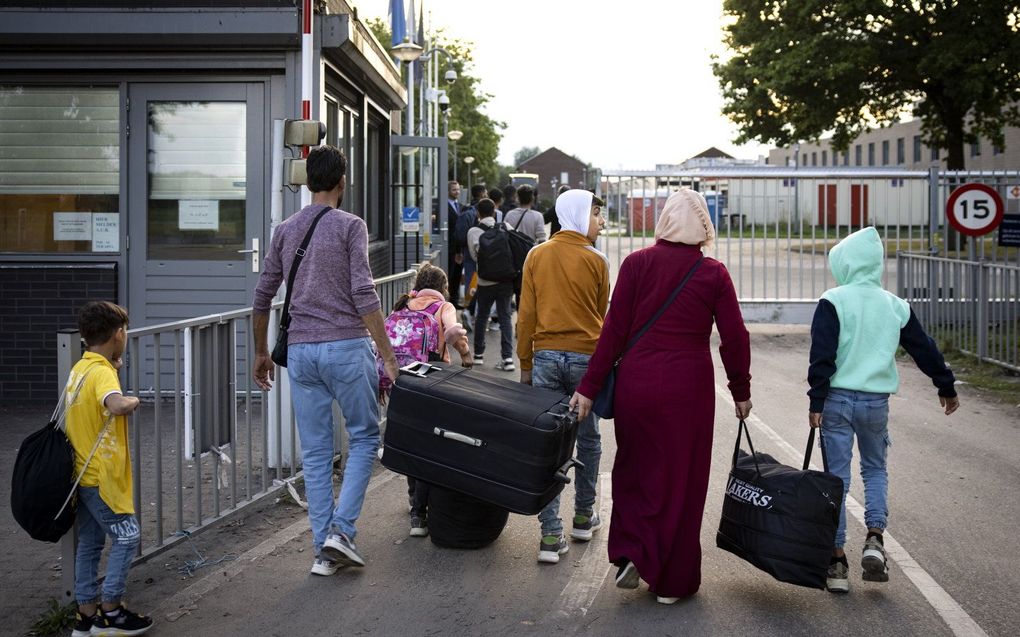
138, 163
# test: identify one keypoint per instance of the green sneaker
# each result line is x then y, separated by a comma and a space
551, 548
585, 526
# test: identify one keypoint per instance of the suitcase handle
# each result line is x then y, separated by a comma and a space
418, 369
453, 435
561, 473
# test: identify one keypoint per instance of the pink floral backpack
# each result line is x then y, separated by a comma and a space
414, 335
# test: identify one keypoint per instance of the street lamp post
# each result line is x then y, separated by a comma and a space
469, 160
454, 137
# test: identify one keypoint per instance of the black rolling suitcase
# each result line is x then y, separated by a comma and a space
502, 442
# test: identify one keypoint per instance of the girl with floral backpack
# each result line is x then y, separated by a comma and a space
423, 327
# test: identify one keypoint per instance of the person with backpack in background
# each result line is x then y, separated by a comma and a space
96, 419
497, 199
529, 223
489, 245
467, 219
564, 298
423, 327
855, 331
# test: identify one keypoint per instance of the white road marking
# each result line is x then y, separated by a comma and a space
586, 582
951, 612
185, 601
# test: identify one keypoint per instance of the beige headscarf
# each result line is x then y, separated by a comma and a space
685, 219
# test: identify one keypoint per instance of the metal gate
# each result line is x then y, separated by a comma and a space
418, 166
775, 226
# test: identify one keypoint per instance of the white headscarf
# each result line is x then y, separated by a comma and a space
573, 209
685, 219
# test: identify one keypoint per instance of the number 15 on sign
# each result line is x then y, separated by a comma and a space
974, 209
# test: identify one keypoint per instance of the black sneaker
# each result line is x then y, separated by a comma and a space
551, 548
873, 560
419, 527
82, 625
124, 622
627, 576
837, 579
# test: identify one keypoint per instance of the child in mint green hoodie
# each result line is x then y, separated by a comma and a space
854, 335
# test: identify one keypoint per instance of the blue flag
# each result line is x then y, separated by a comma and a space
419, 68
398, 27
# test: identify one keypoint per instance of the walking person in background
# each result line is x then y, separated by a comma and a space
455, 258
467, 220
564, 297
854, 335
509, 199
550, 215
96, 415
428, 296
497, 198
491, 291
528, 222
665, 396
334, 308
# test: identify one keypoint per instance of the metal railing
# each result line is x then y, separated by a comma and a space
195, 381
775, 225
973, 306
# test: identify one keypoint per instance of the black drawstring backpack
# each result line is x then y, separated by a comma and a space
43, 483
780, 519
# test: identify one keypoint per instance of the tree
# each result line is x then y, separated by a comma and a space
524, 154
802, 69
467, 109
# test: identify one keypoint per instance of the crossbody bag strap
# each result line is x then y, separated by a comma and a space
662, 310
299, 254
60, 413
520, 221
81, 474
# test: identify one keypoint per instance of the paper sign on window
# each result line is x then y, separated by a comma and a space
105, 232
72, 226
198, 214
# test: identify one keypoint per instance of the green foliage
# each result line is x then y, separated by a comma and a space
482, 134
56, 619
802, 69
526, 153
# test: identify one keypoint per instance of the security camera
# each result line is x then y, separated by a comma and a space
444, 102
450, 76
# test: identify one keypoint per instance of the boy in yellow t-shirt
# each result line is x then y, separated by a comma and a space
105, 494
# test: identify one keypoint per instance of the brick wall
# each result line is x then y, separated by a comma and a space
38, 300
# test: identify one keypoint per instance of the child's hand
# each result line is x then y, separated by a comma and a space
951, 404
815, 419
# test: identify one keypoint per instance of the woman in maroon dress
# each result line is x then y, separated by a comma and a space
665, 397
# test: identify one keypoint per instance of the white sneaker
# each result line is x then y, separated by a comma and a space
341, 549
666, 600
507, 365
325, 567
479, 359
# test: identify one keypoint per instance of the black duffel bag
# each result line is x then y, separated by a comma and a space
780, 519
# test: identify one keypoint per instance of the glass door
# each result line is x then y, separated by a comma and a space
196, 198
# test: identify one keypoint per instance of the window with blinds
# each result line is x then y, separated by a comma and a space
59, 169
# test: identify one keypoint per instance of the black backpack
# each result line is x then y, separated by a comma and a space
520, 245
495, 257
44, 480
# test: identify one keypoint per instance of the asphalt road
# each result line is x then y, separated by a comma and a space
953, 502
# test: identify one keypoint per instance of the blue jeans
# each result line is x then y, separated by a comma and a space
562, 372
320, 373
95, 521
865, 414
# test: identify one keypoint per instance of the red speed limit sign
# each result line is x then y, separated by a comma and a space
974, 209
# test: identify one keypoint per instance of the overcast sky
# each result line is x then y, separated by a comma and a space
622, 84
